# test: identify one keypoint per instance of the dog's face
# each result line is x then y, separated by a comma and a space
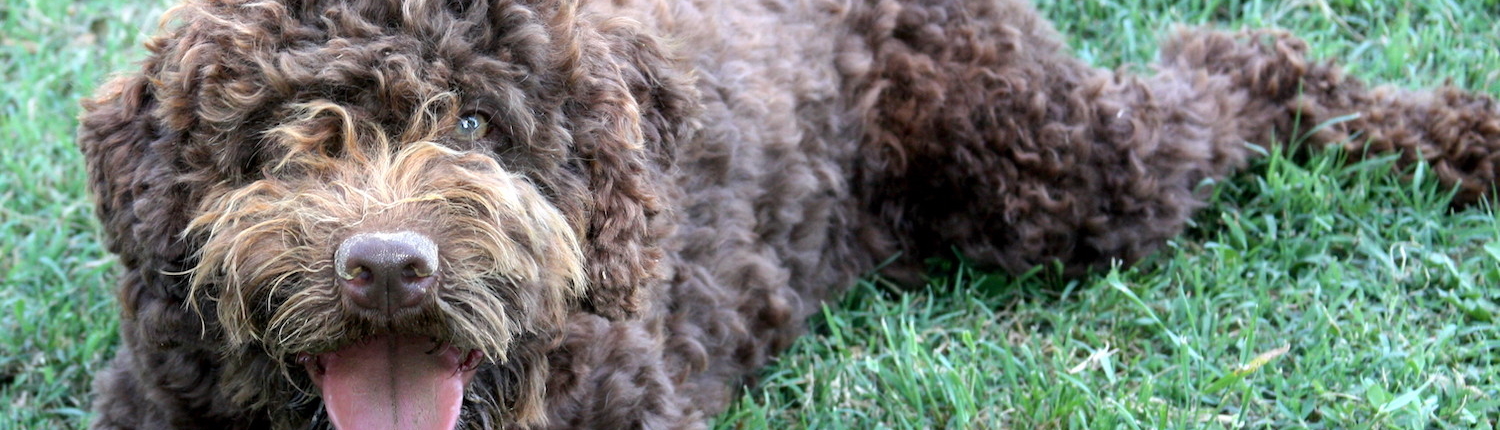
394, 204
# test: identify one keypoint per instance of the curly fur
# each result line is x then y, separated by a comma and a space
669, 189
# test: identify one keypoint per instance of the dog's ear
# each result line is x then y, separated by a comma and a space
631, 107
137, 134
137, 195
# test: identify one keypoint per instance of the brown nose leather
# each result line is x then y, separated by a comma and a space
386, 271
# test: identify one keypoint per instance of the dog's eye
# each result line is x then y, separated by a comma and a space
471, 127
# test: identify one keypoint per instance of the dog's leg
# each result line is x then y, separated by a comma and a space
608, 374
127, 409
167, 375
1456, 131
983, 137
132, 392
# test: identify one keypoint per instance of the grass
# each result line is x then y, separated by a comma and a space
1311, 294
57, 317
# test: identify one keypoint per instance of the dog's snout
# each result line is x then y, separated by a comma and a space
386, 271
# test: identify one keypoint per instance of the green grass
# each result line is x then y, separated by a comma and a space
57, 316
1312, 294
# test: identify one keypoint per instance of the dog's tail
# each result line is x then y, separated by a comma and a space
1290, 98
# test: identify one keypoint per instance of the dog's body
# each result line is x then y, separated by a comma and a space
636, 204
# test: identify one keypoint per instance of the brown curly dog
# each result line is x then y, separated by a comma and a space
608, 214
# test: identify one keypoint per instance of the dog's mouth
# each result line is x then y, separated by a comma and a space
393, 381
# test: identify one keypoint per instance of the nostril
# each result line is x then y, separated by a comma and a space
386, 271
359, 273
417, 269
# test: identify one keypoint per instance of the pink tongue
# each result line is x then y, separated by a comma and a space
392, 382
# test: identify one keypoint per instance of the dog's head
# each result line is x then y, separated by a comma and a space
374, 194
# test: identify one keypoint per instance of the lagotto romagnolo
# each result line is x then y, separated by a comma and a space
373, 214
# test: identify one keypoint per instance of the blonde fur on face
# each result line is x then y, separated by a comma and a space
510, 261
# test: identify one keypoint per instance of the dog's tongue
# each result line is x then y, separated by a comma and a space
393, 382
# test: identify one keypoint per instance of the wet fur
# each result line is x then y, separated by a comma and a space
673, 186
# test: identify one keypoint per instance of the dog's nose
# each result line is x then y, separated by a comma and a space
386, 271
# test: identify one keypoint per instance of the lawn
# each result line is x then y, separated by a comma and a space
1311, 294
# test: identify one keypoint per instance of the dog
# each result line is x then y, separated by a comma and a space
366, 214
